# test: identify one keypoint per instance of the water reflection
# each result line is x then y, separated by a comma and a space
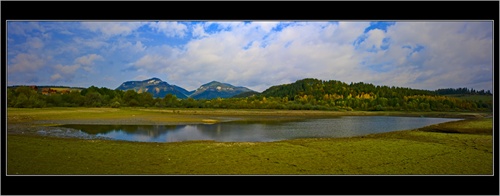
259, 131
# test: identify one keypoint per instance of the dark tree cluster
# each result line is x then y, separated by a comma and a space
462, 91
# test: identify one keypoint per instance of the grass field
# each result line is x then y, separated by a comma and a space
176, 115
461, 147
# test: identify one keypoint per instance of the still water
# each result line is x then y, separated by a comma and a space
259, 131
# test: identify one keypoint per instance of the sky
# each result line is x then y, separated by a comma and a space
255, 54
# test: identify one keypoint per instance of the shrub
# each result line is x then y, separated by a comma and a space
115, 104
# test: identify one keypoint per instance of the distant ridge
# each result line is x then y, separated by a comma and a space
216, 89
160, 89
156, 87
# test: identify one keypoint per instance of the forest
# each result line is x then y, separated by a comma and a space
305, 94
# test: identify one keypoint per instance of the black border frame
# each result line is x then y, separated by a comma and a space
248, 10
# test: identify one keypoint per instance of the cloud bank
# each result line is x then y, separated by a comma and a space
255, 54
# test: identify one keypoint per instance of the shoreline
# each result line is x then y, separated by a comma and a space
44, 121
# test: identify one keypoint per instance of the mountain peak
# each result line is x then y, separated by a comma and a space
216, 89
160, 88
153, 80
155, 86
213, 83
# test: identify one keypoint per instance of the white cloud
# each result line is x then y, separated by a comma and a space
374, 40
67, 70
139, 47
439, 54
66, 32
226, 25
56, 77
122, 46
93, 43
24, 62
142, 77
410, 54
267, 26
22, 28
170, 29
32, 44
157, 58
35, 43
47, 35
296, 52
110, 29
88, 59
64, 73
199, 31
348, 32
150, 63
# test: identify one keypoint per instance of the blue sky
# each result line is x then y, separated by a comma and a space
256, 54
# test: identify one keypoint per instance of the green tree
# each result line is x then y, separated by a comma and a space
27, 91
133, 103
170, 101
38, 101
130, 98
115, 104
22, 101
11, 97
93, 99
54, 100
74, 98
146, 99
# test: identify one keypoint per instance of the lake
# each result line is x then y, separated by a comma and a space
239, 131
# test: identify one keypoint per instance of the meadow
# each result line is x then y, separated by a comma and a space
454, 148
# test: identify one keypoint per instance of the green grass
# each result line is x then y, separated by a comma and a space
428, 151
175, 115
406, 153
477, 126
135, 115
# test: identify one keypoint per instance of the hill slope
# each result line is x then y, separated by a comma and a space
319, 88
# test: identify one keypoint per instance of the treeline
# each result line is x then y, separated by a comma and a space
306, 94
363, 96
26, 97
320, 88
462, 91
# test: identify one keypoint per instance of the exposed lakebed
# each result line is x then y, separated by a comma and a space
250, 131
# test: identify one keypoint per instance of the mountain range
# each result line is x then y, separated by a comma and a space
156, 87
159, 89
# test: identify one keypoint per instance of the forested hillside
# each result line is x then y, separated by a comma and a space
363, 96
306, 94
